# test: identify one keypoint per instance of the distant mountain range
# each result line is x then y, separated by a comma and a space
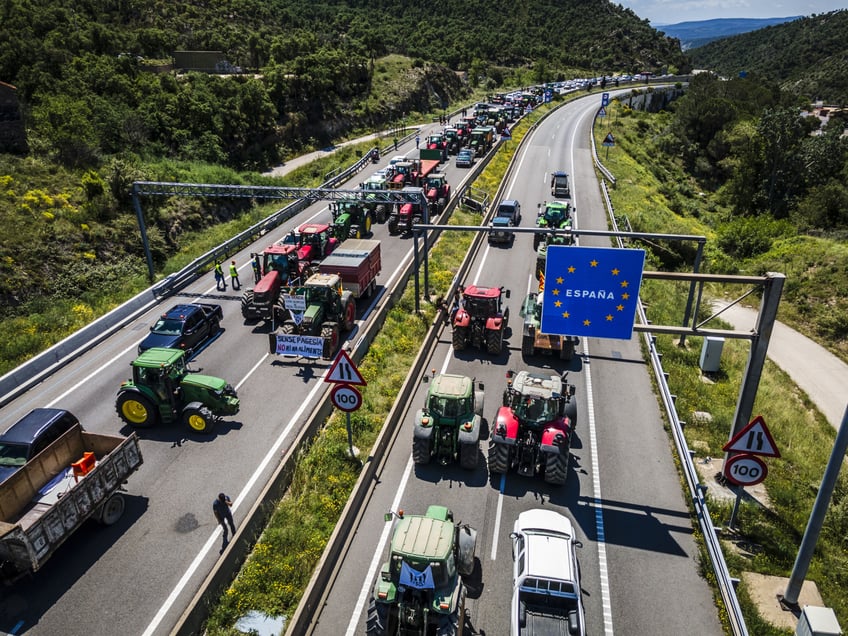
695, 34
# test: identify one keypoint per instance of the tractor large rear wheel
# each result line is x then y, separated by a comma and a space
460, 338
381, 213
136, 410
494, 341
393, 225
378, 619
527, 346
468, 456
366, 223
566, 352
420, 450
198, 418
247, 304
288, 328
556, 468
498, 458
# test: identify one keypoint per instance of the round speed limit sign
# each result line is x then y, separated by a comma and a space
346, 397
745, 470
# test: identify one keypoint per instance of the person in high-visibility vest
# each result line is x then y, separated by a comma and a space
219, 277
234, 275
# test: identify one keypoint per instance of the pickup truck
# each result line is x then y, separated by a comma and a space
358, 263
75, 478
546, 597
185, 326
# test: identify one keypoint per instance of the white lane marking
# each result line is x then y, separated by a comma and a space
597, 502
498, 511
378, 555
208, 545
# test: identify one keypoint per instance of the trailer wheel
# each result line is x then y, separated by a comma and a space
112, 510
198, 418
349, 314
136, 410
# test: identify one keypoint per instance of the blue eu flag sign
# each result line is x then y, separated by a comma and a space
591, 291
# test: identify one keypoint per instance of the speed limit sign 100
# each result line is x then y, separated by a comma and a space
346, 397
745, 470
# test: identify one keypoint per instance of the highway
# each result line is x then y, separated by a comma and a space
142, 572
639, 561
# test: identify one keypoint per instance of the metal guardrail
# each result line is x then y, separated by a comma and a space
697, 490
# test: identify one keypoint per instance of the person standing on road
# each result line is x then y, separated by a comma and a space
417, 140
395, 143
223, 515
219, 277
257, 270
234, 275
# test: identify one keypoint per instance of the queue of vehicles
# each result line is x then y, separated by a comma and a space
69, 473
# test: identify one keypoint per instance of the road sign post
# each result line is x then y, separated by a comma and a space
743, 465
344, 373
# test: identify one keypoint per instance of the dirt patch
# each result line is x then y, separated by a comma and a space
764, 591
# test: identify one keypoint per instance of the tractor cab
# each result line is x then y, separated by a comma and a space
316, 242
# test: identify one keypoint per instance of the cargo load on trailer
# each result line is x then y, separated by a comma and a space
76, 478
357, 262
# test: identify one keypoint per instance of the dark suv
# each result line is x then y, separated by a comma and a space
508, 215
30, 435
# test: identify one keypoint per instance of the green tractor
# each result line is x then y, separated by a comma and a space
163, 390
448, 427
420, 588
320, 307
379, 209
555, 215
351, 219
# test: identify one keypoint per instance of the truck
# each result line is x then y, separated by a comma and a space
546, 594
534, 427
320, 309
533, 341
184, 326
77, 477
357, 262
481, 141
559, 185
448, 427
162, 389
420, 588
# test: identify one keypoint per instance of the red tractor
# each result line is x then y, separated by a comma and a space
437, 142
533, 429
438, 192
278, 266
404, 215
479, 318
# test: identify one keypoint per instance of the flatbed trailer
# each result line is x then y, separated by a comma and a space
74, 479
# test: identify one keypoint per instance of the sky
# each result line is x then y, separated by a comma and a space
674, 11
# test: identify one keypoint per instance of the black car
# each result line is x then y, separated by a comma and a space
30, 435
185, 326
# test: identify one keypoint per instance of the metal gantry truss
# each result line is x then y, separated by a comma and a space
223, 191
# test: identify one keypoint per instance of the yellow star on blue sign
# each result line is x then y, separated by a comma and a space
591, 291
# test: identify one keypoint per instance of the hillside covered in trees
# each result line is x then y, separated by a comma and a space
79, 67
807, 57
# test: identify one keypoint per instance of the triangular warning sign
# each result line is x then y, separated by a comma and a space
344, 371
609, 139
754, 439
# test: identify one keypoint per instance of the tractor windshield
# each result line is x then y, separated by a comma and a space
277, 263
448, 407
554, 215
438, 569
538, 410
481, 307
434, 182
